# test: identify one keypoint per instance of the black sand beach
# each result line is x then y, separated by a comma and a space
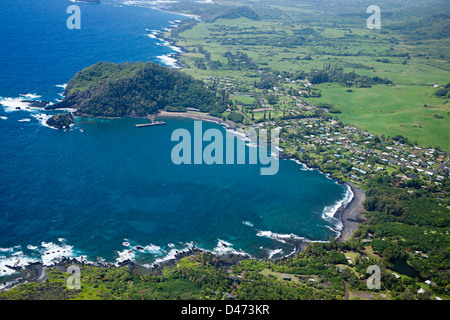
199, 116
353, 213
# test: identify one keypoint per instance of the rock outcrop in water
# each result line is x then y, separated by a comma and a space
60, 121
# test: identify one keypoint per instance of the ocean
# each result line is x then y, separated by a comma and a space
110, 192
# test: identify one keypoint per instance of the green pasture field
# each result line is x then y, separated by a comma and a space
393, 110
381, 109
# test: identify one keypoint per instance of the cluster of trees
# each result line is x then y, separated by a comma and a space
403, 222
385, 201
239, 61
268, 81
236, 117
138, 89
434, 26
334, 73
234, 13
211, 12
443, 91
274, 41
213, 64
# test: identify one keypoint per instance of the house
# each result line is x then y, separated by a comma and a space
359, 170
286, 277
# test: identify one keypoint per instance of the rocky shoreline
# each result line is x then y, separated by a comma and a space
351, 216
36, 271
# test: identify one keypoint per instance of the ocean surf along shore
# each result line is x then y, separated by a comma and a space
111, 194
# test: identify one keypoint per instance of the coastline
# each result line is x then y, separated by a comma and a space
228, 124
353, 213
348, 216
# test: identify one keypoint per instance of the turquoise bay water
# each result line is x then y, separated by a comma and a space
112, 191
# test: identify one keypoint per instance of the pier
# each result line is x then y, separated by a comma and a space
153, 123
156, 123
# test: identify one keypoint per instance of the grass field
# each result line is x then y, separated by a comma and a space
388, 110
393, 110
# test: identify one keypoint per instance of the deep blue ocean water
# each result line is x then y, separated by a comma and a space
112, 192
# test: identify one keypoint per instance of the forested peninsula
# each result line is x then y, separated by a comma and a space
137, 90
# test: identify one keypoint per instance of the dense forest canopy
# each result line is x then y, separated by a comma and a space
137, 89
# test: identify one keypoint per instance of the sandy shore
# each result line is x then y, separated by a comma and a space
199, 116
353, 213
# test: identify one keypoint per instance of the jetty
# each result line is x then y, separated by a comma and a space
156, 123
153, 123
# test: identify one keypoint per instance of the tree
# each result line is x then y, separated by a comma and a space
441, 92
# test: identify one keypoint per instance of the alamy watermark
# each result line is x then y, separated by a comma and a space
220, 150
374, 21
374, 281
74, 20
74, 281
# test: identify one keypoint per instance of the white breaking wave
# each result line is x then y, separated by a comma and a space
47, 252
31, 96
304, 167
53, 252
271, 253
169, 60
133, 249
153, 249
280, 237
18, 104
330, 211
124, 255
64, 86
224, 247
173, 253
247, 223
14, 104
17, 259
